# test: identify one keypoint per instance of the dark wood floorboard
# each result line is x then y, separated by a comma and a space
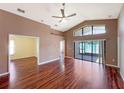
71, 74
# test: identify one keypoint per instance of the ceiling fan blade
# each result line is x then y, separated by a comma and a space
57, 17
72, 15
62, 11
63, 4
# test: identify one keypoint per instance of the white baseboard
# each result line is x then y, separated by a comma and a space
68, 57
112, 65
4, 74
49, 61
23, 57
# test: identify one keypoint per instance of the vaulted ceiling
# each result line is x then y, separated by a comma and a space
43, 12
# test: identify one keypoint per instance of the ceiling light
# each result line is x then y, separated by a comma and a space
65, 20
63, 17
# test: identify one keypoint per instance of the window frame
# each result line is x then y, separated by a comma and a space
91, 29
98, 33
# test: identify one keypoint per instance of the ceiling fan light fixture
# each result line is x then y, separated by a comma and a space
64, 20
63, 17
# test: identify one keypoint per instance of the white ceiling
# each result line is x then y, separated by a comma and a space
44, 11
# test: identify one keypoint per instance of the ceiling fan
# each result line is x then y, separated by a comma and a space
63, 14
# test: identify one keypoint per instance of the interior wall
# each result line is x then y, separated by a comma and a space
121, 41
24, 47
13, 24
110, 37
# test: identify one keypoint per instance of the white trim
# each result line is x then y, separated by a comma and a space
38, 46
69, 57
112, 65
49, 61
38, 50
24, 57
4, 74
122, 76
118, 49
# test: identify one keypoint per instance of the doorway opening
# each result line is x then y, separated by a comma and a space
62, 50
90, 50
23, 49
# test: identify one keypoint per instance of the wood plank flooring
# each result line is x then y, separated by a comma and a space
71, 74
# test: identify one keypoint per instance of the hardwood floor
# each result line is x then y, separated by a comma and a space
71, 74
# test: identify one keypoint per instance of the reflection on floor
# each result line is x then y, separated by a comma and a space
89, 58
72, 73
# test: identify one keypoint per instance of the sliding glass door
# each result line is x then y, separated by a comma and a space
87, 50
92, 51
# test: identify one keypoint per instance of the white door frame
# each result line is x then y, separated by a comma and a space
62, 49
38, 48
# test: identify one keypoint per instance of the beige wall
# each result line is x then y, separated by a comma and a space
49, 43
24, 46
13, 24
121, 41
110, 36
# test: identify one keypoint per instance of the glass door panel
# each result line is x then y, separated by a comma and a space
78, 50
92, 51
87, 50
96, 50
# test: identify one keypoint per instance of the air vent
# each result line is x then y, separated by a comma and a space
20, 10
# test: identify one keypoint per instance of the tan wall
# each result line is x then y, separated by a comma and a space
13, 24
121, 41
24, 46
110, 36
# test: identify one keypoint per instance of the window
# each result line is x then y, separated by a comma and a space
12, 47
90, 30
95, 47
98, 30
81, 48
78, 32
85, 47
87, 30
88, 47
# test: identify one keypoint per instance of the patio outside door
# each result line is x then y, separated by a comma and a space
92, 51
